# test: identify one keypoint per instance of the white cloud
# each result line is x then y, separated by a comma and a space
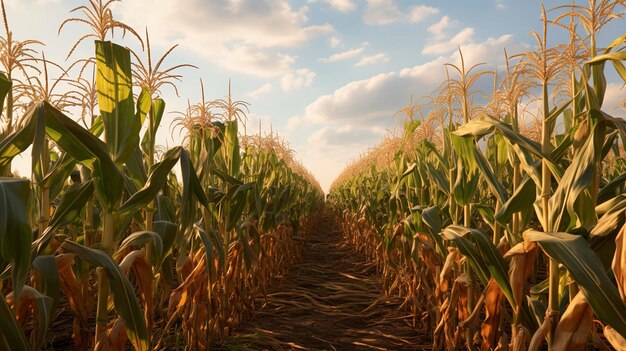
300, 78
443, 45
342, 5
247, 36
437, 29
377, 98
262, 90
334, 41
356, 115
344, 55
500, 5
346, 135
382, 12
373, 59
366, 101
419, 13
492, 49
13, 3
294, 122
614, 100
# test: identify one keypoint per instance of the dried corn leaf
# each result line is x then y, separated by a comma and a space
574, 326
489, 330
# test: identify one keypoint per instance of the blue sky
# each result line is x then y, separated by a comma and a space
328, 75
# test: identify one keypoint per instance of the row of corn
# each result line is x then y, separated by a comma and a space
504, 228
139, 245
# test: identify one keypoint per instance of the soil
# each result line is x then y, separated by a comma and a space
332, 300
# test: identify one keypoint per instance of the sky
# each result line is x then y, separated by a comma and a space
327, 75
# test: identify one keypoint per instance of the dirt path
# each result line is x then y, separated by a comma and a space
330, 301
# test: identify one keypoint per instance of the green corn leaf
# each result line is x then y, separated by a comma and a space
136, 170
577, 177
158, 177
16, 232
583, 264
521, 200
124, 298
439, 178
15, 143
11, 334
432, 218
115, 100
473, 160
483, 255
143, 238
486, 124
72, 203
48, 280
5, 87
167, 231
154, 184
612, 56
156, 115
61, 170
612, 217
85, 148
231, 148
465, 185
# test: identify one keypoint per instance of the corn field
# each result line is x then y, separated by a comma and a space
105, 239
495, 220
502, 230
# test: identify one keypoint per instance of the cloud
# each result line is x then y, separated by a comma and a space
437, 29
419, 13
373, 59
262, 90
248, 36
444, 45
342, 5
492, 50
365, 101
375, 99
13, 3
344, 55
340, 125
334, 41
300, 78
500, 5
382, 12
346, 135
614, 100
294, 122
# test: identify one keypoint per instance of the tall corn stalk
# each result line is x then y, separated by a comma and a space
563, 192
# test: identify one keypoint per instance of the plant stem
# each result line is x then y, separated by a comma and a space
103, 280
44, 210
516, 220
546, 190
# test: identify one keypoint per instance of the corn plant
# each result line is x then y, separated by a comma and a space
531, 263
127, 240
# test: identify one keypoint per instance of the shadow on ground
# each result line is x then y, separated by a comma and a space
332, 300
